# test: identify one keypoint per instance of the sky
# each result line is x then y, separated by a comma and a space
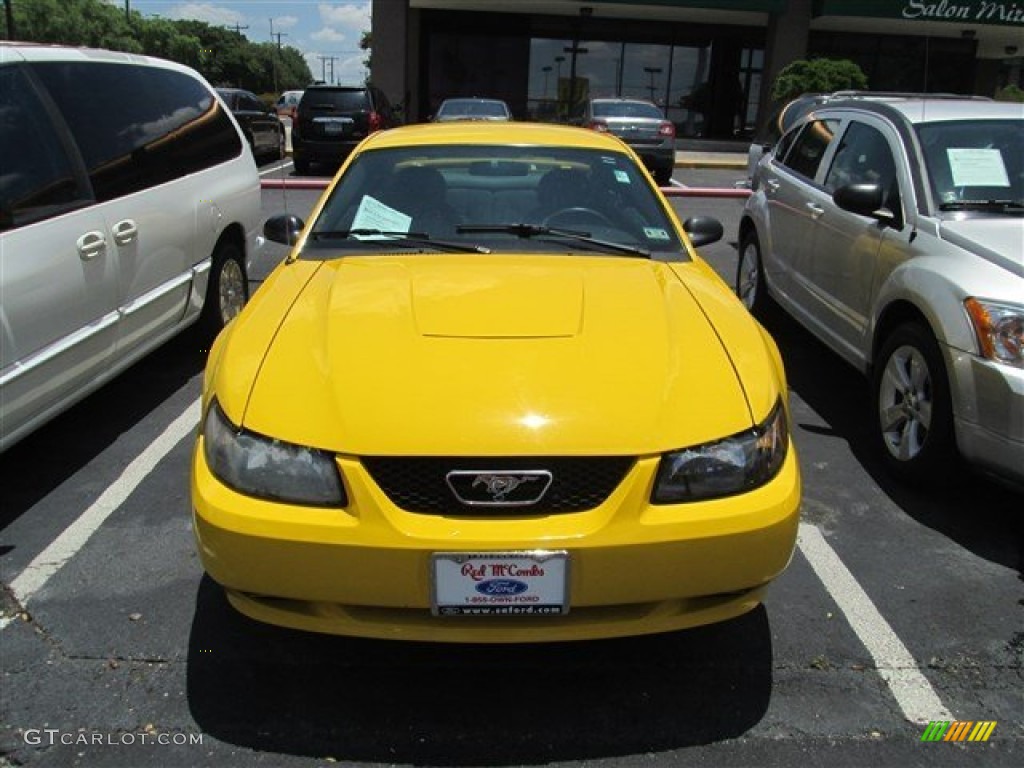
327, 33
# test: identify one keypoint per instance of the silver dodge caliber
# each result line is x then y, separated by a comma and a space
893, 229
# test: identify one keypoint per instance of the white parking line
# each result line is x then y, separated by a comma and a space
915, 695
48, 562
276, 168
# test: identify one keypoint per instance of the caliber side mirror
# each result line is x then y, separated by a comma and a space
864, 200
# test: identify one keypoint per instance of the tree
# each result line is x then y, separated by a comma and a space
818, 76
366, 44
222, 56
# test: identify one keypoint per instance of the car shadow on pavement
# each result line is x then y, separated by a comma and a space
46, 458
978, 512
276, 690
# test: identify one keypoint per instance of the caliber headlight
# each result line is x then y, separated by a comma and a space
270, 469
734, 465
1000, 330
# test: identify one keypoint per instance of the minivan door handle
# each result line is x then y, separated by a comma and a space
125, 231
90, 245
772, 185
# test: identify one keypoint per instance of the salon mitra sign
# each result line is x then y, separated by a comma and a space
979, 12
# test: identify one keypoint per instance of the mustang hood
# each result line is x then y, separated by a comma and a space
453, 355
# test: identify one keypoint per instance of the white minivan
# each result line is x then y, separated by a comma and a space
129, 210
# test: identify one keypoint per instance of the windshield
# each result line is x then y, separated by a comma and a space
974, 163
494, 198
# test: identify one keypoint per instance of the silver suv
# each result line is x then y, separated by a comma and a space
893, 230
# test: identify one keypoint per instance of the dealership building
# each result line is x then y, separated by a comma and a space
709, 65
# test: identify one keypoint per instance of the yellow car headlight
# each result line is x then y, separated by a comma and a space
726, 467
270, 469
1000, 330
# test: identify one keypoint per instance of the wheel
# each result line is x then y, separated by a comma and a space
282, 145
227, 290
750, 285
912, 413
663, 176
301, 165
577, 216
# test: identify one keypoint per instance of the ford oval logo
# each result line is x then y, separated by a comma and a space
501, 587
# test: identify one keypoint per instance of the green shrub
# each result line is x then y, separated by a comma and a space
818, 76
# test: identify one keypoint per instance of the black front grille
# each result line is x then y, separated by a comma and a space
419, 484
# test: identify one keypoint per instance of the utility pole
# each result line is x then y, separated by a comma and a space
239, 28
323, 64
276, 56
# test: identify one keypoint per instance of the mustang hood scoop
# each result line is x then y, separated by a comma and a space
522, 302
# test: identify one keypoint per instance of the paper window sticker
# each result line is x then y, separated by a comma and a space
977, 167
655, 233
373, 214
622, 177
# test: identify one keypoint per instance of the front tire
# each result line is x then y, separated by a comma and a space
227, 290
750, 284
912, 412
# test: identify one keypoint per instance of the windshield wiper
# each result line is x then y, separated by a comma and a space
538, 230
395, 237
1002, 206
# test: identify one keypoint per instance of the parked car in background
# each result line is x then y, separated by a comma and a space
122, 220
641, 124
472, 109
893, 229
262, 127
332, 119
288, 104
520, 407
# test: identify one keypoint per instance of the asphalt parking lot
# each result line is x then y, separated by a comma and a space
901, 607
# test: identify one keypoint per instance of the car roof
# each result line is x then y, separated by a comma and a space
11, 51
483, 133
927, 109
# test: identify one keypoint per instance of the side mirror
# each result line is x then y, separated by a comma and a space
284, 228
864, 200
703, 230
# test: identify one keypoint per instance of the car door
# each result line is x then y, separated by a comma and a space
792, 202
843, 267
263, 126
127, 119
58, 266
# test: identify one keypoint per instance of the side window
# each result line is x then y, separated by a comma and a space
862, 157
810, 146
248, 101
37, 178
785, 143
137, 126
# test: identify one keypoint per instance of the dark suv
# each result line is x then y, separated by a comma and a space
332, 119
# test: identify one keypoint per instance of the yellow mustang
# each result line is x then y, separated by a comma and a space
494, 395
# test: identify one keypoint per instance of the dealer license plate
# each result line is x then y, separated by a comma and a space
500, 584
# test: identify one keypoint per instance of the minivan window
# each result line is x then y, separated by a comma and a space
810, 146
37, 177
138, 127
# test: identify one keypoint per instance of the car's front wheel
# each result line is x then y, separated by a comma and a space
750, 286
912, 413
226, 291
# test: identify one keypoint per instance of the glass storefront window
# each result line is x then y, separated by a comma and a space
673, 77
